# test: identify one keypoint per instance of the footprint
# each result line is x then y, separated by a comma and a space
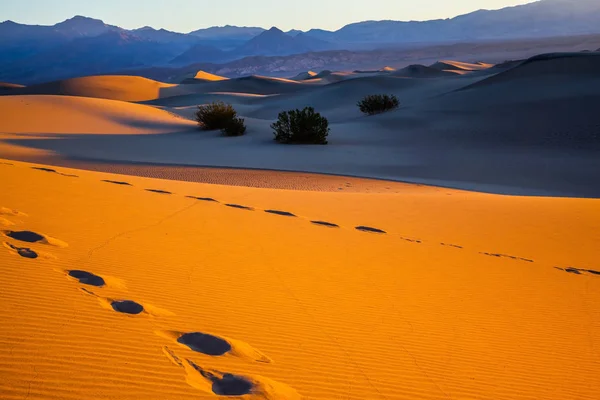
53, 171
22, 251
578, 271
506, 256
282, 213
369, 229
232, 385
327, 224
129, 307
202, 198
158, 191
452, 245
117, 182
212, 345
33, 237
87, 278
240, 207
411, 240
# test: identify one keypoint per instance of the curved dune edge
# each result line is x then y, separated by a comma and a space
379, 309
82, 115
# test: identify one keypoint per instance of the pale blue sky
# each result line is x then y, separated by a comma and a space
188, 15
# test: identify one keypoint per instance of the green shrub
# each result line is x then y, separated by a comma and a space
378, 103
302, 127
234, 127
216, 115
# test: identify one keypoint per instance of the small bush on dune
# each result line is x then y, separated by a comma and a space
378, 103
234, 127
302, 127
216, 115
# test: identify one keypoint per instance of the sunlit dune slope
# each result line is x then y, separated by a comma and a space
201, 77
208, 76
449, 65
125, 88
80, 115
121, 287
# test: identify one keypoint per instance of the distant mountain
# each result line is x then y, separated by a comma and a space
200, 53
80, 26
20, 41
228, 32
164, 36
32, 53
101, 54
544, 18
227, 37
276, 42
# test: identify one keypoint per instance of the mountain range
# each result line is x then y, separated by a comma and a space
83, 46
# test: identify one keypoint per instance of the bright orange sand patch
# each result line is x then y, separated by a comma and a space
293, 309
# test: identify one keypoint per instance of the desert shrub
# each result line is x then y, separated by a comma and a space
234, 127
301, 126
378, 103
216, 115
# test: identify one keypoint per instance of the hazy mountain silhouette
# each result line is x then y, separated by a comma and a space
108, 52
80, 45
276, 42
200, 53
543, 18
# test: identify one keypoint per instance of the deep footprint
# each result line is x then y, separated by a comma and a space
53, 171
369, 229
578, 271
25, 236
507, 256
240, 207
205, 343
282, 213
327, 224
127, 307
158, 191
226, 384
117, 183
22, 251
87, 278
202, 198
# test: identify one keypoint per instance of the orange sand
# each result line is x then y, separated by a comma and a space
302, 310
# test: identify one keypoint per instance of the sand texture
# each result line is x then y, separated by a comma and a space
124, 287
143, 258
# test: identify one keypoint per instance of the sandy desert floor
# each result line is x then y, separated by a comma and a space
428, 293
136, 264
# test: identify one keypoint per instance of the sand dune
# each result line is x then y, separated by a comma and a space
540, 142
449, 65
9, 86
80, 115
421, 71
125, 88
202, 76
178, 295
304, 75
575, 65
